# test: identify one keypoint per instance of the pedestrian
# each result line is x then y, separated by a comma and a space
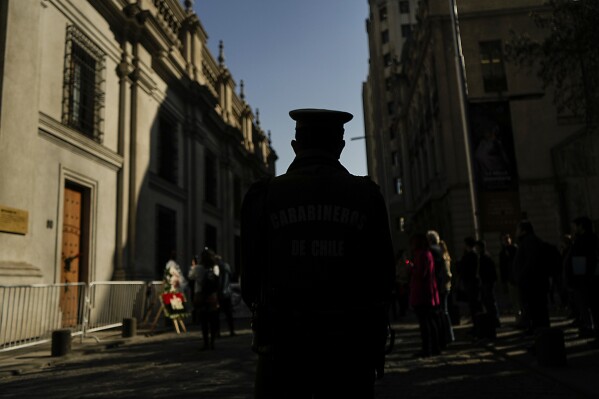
506, 267
445, 291
583, 266
553, 264
424, 295
569, 285
207, 286
226, 305
469, 278
443, 277
402, 283
316, 258
195, 311
531, 273
488, 278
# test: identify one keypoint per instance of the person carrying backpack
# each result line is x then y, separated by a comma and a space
443, 277
207, 286
225, 293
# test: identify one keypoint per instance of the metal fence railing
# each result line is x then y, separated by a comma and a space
109, 302
29, 313
152, 305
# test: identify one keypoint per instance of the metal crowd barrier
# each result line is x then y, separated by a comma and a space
152, 306
29, 313
109, 302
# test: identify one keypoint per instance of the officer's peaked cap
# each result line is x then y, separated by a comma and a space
317, 127
319, 118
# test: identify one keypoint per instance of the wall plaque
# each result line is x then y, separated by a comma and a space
13, 220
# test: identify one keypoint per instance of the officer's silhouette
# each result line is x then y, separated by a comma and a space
318, 270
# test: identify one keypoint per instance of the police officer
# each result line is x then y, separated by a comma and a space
318, 269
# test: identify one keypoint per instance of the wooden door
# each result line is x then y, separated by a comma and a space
71, 255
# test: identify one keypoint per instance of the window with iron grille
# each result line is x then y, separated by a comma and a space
83, 93
210, 236
404, 7
385, 36
237, 197
168, 160
383, 13
210, 178
398, 185
387, 59
165, 237
493, 71
389, 83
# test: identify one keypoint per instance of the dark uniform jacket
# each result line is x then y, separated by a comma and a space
467, 268
531, 269
316, 247
506, 263
486, 270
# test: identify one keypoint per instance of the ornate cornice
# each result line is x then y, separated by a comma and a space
157, 25
73, 140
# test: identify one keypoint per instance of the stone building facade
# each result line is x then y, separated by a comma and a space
389, 26
513, 128
122, 139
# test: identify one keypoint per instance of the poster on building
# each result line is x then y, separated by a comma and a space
494, 165
492, 141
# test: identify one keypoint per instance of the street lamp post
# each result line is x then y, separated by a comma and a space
463, 95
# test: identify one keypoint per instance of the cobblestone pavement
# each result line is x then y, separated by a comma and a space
170, 365
159, 366
469, 369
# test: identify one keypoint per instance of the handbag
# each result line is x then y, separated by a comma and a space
206, 303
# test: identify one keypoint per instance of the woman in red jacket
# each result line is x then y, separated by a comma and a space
424, 294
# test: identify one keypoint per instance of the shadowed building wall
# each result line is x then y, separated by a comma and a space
122, 138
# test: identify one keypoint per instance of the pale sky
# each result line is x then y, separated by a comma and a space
295, 54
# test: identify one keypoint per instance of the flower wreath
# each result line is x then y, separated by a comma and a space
174, 304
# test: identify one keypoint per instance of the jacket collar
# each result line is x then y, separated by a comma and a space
311, 158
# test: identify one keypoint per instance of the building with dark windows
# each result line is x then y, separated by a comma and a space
122, 139
389, 26
515, 133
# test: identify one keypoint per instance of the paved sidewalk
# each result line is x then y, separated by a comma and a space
581, 373
486, 369
160, 365
170, 365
